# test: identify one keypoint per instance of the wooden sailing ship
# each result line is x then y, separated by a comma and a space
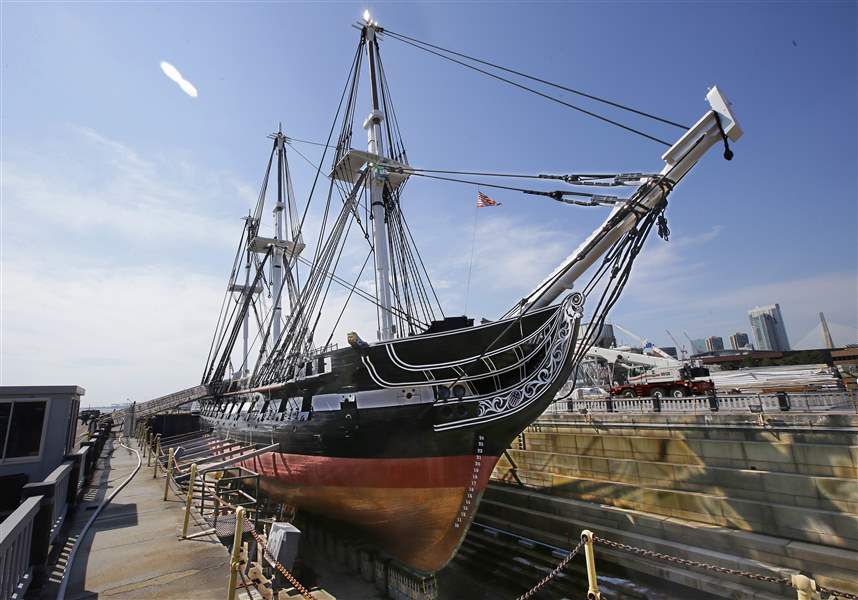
398, 437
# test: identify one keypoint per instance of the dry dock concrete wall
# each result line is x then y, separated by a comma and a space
767, 494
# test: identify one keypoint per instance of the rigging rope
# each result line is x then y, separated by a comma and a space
534, 91
595, 199
546, 82
582, 179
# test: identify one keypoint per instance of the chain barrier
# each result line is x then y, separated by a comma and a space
835, 593
289, 577
250, 528
689, 563
245, 584
560, 566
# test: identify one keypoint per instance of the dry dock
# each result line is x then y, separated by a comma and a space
771, 493
746, 502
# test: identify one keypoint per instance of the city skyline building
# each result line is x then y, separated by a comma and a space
739, 341
714, 343
768, 328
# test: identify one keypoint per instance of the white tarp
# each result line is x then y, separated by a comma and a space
757, 379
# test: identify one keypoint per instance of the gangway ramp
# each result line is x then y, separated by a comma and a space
134, 412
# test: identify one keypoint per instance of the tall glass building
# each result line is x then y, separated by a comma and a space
767, 323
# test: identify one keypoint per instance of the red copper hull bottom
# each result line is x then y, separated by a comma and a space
416, 509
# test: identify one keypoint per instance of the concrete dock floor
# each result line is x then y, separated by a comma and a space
133, 549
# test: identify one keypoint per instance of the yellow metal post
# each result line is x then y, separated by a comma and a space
189, 501
804, 586
236, 551
169, 472
157, 456
590, 555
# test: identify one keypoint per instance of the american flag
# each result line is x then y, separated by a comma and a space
484, 201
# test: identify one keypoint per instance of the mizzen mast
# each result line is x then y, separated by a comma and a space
287, 249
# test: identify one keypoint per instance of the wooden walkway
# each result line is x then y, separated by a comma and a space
133, 549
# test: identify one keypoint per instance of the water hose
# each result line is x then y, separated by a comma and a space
61, 593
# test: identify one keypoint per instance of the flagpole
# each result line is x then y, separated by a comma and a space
471, 263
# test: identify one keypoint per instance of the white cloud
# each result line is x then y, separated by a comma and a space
669, 289
131, 200
119, 333
173, 74
801, 299
103, 266
514, 256
666, 266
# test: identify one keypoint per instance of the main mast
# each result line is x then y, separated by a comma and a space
372, 124
277, 263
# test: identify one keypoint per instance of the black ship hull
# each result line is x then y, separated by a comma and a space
399, 439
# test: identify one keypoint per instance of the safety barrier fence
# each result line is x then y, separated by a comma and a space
804, 587
16, 537
741, 403
226, 496
27, 533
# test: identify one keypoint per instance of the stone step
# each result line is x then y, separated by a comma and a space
698, 583
828, 527
835, 493
523, 563
563, 518
824, 460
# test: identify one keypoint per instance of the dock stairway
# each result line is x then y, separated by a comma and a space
210, 466
222, 495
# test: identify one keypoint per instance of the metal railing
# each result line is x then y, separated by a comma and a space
168, 402
60, 478
16, 538
82, 456
741, 403
26, 535
214, 491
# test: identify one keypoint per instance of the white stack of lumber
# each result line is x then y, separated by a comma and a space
753, 380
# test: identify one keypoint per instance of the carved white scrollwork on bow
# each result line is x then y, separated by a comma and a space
532, 388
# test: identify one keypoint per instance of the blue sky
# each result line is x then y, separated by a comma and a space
121, 195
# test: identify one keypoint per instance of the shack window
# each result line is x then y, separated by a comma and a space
5, 411
25, 429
